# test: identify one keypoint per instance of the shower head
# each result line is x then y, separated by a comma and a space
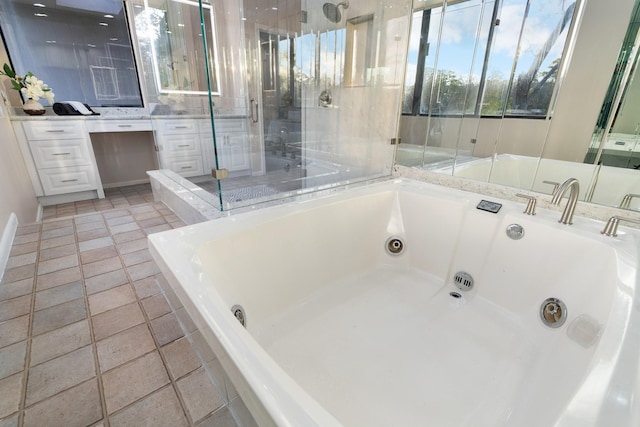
332, 11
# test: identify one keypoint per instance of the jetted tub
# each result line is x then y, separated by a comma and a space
341, 331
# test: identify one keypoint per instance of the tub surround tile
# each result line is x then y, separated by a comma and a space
56, 375
78, 406
124, 346
59, 342
131, 381
159, 408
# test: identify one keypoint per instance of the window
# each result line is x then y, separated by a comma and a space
80, 48
486, 57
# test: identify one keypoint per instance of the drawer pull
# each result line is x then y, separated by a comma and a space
184, 145
181, 127
69, 180
61, 154
186, 167
56, 131
124, 126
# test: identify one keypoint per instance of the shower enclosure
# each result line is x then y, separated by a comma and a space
257, 100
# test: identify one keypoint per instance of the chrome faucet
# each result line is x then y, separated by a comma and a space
573, 185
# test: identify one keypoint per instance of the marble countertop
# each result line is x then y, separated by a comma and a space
124, 114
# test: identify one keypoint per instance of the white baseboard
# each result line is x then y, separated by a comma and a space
6, 241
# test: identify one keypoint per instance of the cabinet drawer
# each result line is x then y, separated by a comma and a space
96, 126
39, 130
67, 180
223, 125
185, 166
179, 145
57, 153
174, 127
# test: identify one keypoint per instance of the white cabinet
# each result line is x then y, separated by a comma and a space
185, 146
59, 156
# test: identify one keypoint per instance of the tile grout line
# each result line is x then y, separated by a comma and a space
94, 345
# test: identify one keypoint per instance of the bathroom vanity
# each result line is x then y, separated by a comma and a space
71, 158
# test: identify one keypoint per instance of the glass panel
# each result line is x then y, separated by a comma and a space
81, 49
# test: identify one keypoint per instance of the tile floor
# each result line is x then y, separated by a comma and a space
87, 338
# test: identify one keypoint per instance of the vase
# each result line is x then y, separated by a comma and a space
33, 108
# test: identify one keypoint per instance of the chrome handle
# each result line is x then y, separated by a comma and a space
124, 126
69, 180
626, 200
181, 127
254, 111
555, 186
184, 145
611, 228
61, 154
186, 167
56, 131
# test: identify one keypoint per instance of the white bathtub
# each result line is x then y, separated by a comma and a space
340, 332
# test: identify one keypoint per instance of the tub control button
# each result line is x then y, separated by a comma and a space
515, 231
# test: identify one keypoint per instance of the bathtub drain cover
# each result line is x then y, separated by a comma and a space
553, 312
238, 312
394, 246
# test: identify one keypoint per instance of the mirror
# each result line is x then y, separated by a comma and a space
179, 62
509, 91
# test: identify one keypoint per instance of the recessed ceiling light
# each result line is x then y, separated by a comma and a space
39, 5
104, 24
40, 14
108, 16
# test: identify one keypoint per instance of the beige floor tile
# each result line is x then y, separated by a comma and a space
199, 395
116, 320
139, 210
129, 236
14, 330
98, 254
57, 252
10, 394
124, 228
88, 226
56, 223
57, 264
15, 307
220, 418
166, 329
110, 299
146, 287
151, 222
60, 341
56, 375
57, 241
12, 359
158, 409
25, 248
28, 229
11, 421
102, 266
137, 257
16, 289
83, 219
58, 316
20, 260
115, 213
57, 232
129, 382
133, 245
124, 219
58, 295
26, 238
19, 273
78, 406
155, 306
142, 270
181, 358
57, 278
157, 228
106, 281
124, 346
91, 244
92, 234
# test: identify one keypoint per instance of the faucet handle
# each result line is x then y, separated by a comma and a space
611, 228
531, 204
555, 186
626, 200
